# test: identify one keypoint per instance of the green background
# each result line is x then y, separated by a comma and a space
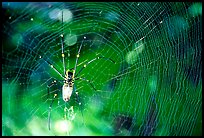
153, 89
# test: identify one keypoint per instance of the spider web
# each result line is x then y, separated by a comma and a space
153, 89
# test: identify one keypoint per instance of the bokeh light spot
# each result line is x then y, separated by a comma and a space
70, 39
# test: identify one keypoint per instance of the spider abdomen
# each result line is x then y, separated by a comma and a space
66, 92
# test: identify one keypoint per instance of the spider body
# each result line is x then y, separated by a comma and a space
67, 88
69, 77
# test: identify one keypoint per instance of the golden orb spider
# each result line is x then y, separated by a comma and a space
70, 76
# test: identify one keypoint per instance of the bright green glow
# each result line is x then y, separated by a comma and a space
153, 83
63, 126
134, 55
70, 39
195, 9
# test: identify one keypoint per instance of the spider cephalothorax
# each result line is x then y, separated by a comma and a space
69, 77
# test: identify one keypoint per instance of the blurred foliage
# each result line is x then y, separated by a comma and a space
153, 89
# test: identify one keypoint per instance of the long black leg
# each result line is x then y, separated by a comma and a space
62, 42
54, 68
78, 54
50, 108
54, 97
51, 84
48, 88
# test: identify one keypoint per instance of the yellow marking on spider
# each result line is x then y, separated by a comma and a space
62, 54
73, 74
77, 55
84, 65
55, 95
67, 71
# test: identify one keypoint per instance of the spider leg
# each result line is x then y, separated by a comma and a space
55, 95
84, 79
50, 108
78, 54
62, 42
100, 57
54, 68
50, 85
48, 88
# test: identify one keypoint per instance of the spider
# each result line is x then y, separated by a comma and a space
69, 77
